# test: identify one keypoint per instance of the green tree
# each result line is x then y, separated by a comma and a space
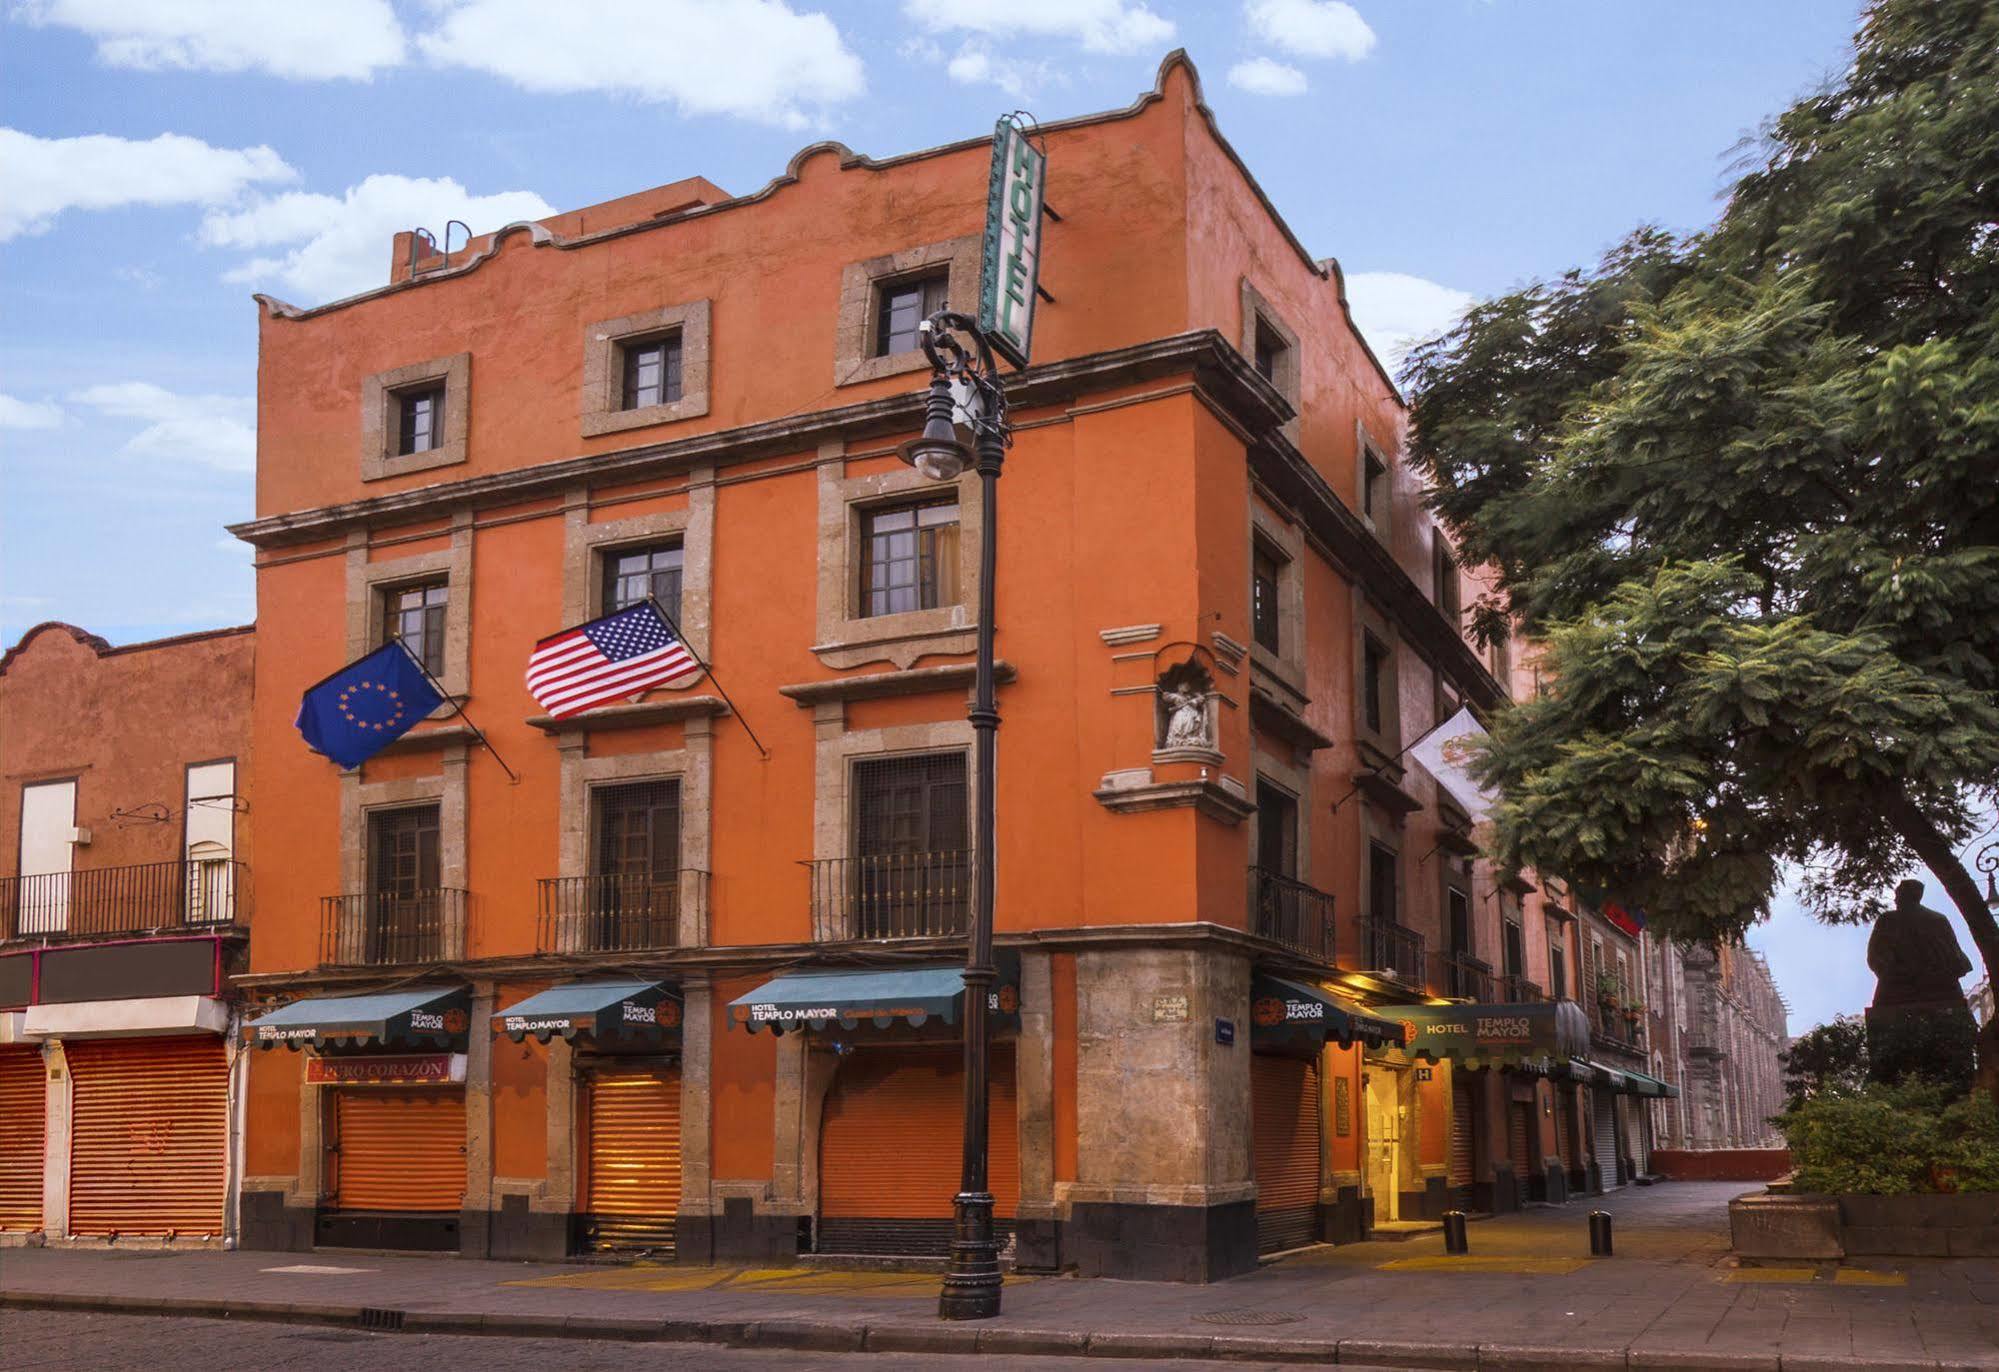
1829, 1058
1742, 488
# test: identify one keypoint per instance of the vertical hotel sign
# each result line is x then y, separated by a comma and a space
1012, 260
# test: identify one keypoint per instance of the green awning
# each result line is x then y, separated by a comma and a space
1645, 1084
1610, 1078
1294, 1013
420, 1014
1536, 1036
881, 996
601, 1009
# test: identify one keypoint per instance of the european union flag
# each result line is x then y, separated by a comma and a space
367, 705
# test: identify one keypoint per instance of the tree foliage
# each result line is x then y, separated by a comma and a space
1743, 489
1831, 1057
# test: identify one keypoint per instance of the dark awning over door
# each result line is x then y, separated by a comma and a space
1284, 1012
1538, 1036
600, 1009
881, 996
423, 1014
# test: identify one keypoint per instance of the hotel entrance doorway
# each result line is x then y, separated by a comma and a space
1390, 1094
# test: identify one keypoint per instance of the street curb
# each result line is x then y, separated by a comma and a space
826, 1336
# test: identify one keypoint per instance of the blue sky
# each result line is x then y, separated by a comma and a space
158, 162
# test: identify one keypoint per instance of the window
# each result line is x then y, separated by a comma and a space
1270, 350
403, 861
1373, 486
1502, 662
415, 615
1449, 602
1276, 831
902, 305
909, 558
1558, 970
652, 371
1460, 916
632, 574
637, 831
1263, 613
1516, 950
1373, 667
912, 871
420, 415
1381, 882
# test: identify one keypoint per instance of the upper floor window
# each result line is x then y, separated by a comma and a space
909, 557
633, 574
637, 831
415, 615
1515, 952
912, 868
1558, 969
1276, 830
1381, 882
403, 853
1270, 350
900, 306
420, 420
651, 371
1459, 915
1373, 671
1450, 602
1263, 610
1373, 485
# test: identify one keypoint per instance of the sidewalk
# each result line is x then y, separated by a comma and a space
1528, 1296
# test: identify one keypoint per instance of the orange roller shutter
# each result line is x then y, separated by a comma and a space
399, 1149
149, 1138
892, 1135
632, 1175
1464, 1124
1520, 1134
23, 1137
1285, 1144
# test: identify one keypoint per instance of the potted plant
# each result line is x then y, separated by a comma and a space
1606, 991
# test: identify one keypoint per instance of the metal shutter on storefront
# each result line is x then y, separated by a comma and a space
890, 1145
1565, 1147
632, 1176
1464, 1125
398, 1149
1285, 1124
23, 1137
1519, 1139
1604, 1105
149, 1143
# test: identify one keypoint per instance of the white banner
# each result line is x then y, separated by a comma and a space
1446, 753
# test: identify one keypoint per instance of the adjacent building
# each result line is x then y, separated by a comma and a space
1718, 1031
124, 904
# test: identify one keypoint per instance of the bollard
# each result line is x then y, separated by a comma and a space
1599, 1234
1455, 1239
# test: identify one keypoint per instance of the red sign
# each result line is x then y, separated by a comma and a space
401, 1070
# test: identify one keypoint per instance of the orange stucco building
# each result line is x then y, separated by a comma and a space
1223, 614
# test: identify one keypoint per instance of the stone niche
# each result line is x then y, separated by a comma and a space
1184, 723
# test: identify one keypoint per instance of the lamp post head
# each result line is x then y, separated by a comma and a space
938, 453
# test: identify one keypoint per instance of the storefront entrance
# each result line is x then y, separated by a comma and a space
1604, 1141
149, 1142
1463, 1173
395, 1167
1287, 1148
23, 1137
631, 1171
1390, 1092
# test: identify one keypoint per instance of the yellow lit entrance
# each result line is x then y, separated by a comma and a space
1390, 1093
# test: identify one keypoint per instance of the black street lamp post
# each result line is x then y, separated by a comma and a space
967, 381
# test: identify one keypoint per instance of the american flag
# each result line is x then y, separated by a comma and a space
621, 655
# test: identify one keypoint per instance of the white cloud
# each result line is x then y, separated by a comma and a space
309, 41
29, 414
1395, 311
1262, 76
45, 176
1311, 28
1117, 26
755, 59
975, 65
208, 430
336, 246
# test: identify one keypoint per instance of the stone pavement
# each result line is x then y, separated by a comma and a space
1528, 1296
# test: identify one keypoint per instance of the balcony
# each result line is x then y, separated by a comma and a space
1287, 911
383, 929
1393, 948
621, 913
1465, 977
149, 897
1517, 990
1610, 1024
891, 896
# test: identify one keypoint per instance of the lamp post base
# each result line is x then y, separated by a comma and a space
972, 1283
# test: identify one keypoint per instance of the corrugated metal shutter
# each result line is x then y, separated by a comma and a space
398, 1149
149, 1138
1464, 1122
1606, 1137
890, 1143
1565, 1146
1519, 1138
23, 1137
1285, 1119
632, 1181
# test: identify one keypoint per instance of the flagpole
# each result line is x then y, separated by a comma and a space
709, 672
459, 710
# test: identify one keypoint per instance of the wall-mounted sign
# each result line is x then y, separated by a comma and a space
1425, 1073
1342, 1107
1225, 1032
1012, 259
1169, 1009
402, 1069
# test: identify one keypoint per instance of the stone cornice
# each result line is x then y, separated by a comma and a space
876, 685
668, 710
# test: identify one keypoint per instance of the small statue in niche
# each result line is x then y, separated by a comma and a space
1183, 707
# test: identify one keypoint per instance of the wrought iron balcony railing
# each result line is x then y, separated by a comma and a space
1517, 990
1286, 910
201, 893
1393, 948
1464, 976
891, 895
622, 913
384, 929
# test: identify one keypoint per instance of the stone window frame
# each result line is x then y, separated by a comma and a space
1456, 875
602, 395
1371, 622
585, 544
1381, 520
381, 421
691, 767
835, 751
1294, 781
847, 638
1285, 539
367, 580
860, 303
1287, 379
445, 788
